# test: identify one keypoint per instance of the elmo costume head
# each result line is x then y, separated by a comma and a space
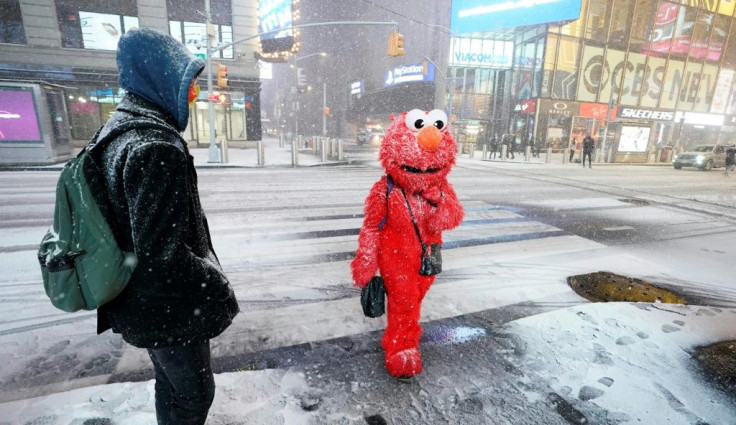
418, 150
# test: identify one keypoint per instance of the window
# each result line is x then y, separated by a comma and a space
90, 24
718, 38
188, 26
566, 81
596, 27
729, 56
620, 20
11, 23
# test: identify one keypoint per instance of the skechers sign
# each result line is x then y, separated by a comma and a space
470, 16
646, 114
421, 72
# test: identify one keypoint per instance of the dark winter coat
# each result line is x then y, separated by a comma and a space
178, 292
730, 156
588, 144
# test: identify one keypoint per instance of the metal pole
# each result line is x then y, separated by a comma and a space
214, 154
324, 108
296, 100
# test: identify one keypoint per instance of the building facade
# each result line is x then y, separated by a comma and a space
355, 78
645, 74
71, 44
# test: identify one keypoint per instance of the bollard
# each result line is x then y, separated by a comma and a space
281, 140
340, 153
223, 144
548, 159
323, 150
471, 150
565, 155
485, 152
261, 154
669, 155
527, 153
315, 145
294, 153
503, 152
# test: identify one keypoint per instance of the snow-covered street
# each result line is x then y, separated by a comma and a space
506, 339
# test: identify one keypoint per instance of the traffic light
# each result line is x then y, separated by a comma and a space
221, 75
396, 44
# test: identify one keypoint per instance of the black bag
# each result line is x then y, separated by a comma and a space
431, 254
432, 260
373, 298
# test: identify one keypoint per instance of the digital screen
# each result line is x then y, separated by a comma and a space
102, 31
469, 16
275, 17
634, 139
18, 119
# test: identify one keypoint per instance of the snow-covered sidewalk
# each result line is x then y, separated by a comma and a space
607, 363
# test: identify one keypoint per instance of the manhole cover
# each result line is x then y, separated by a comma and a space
719, 362
611, 287
635, 201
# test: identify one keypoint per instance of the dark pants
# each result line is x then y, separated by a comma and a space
572, 154
185, 386
589, 154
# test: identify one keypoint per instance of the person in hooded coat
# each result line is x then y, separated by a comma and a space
178, 297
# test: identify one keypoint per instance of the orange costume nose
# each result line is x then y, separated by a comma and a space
429, 138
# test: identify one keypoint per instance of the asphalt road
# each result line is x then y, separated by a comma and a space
285, 237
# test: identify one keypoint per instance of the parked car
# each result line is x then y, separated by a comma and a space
704, 157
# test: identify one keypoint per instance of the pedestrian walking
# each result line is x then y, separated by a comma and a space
730, 160
495, 147
573, 145
588, 148
536, 147
178, 297
510, 145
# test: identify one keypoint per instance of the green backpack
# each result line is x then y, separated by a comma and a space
81, 263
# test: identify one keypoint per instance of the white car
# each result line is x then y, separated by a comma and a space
704, 157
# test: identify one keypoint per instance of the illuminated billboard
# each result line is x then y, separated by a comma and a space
275, 21
418, 72
102, 31
18, 119
472, 16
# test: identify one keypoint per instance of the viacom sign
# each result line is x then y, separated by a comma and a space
476, 52
409, 74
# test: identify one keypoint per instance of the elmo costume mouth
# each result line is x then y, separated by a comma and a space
419, 171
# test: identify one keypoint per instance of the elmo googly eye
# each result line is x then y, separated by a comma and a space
437, 118
416, 119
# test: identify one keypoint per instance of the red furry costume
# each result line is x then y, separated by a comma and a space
418, 153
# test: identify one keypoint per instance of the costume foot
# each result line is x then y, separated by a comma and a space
405, 363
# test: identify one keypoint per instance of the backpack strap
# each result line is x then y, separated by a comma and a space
389, 188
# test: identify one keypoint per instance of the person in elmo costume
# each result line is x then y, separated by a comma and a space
413, 202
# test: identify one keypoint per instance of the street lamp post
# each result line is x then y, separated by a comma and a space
214, 153
296, 88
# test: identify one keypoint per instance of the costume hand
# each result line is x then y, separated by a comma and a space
363, 269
